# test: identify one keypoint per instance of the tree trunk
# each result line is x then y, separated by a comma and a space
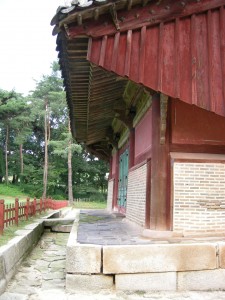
70, 184
21, 159
47, 138
6, 155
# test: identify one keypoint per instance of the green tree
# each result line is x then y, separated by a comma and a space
65, 148
49, 109
12, 106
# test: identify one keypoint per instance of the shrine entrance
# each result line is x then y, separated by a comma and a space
123, 181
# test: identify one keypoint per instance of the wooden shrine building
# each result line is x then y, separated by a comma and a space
145, 85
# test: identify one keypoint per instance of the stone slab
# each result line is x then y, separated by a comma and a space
62, 228
221, 247
158, 258
83, 259
146, 282
160, 234
207, 280
56, 222
76, 282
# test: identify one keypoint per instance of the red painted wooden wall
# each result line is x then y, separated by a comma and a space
195, 126
183, 58
143, 137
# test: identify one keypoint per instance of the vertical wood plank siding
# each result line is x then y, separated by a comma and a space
184, 58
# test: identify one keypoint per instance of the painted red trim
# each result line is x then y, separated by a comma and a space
213, 149
138, 166
143, 157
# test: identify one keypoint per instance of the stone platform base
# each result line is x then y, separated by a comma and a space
184, 266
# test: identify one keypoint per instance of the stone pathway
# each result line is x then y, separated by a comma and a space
101, 228
43, 270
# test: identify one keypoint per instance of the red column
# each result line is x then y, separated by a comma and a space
17, 211
159, 172
2, 216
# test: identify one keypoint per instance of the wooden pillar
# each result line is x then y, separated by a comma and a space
116, 183
159, 171
132, 148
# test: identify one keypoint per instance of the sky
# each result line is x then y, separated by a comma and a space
27, 47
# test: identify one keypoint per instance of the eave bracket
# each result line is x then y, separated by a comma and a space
114, 16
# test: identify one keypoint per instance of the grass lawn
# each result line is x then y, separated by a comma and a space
89, 205
10, 199
9, 232
10, 192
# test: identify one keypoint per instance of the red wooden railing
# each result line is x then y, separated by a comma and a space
13, 213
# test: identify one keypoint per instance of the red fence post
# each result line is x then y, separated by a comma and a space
35, 203
27, 208
2, 216
17, 211
40, 205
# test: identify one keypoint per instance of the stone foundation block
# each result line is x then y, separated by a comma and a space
76, 282
202, 280
10, 256
222, 255
83, 259
146, 282
158, 258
